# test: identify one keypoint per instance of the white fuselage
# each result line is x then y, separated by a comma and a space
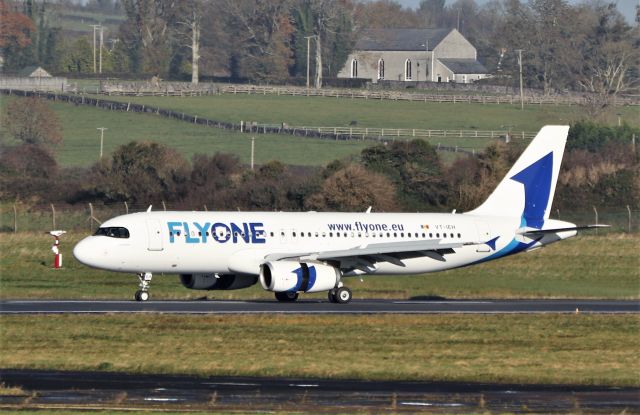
239, 242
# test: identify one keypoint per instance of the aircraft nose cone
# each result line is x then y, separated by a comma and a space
87, 253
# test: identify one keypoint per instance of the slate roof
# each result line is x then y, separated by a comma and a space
401, 39
29, 70
463, 66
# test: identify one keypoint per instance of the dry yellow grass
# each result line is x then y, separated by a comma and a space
556, 349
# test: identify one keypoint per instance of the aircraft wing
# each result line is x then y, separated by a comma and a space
365, 256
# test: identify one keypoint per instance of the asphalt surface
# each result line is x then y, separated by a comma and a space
93, 390
418, 306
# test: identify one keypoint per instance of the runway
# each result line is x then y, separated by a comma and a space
415, 306
103, 390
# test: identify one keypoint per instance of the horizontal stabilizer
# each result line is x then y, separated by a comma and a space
538, 232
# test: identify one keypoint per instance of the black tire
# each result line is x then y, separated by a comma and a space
343, 295
286, 296
137, 296
331, 295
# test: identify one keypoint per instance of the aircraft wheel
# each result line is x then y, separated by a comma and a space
286, 296
343, 295
142, 295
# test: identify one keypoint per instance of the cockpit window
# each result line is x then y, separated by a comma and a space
113, 232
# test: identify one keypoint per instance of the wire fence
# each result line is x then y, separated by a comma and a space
20, 217
333, 133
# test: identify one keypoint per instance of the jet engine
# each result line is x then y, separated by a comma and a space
295, 276
221, 282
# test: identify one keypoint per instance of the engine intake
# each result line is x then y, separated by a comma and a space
296, 276
222, 282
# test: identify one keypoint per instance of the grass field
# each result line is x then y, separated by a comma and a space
82, 141
334, 112
584, 267
551, 349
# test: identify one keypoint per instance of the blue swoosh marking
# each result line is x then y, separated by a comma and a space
298, 273
312, 277
537, 189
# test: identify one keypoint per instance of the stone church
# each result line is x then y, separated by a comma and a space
410, 55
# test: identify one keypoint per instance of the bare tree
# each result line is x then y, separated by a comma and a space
189, 25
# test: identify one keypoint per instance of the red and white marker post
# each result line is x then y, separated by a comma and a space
57, 260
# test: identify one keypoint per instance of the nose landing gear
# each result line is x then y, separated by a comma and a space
145, 280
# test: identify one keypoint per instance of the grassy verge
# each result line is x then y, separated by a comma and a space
555, 349
603, 266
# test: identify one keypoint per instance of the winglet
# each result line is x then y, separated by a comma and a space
368, 210
149, 208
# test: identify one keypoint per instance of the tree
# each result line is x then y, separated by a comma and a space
141, 172
383, 14
611, 57
31, 121
16, 30
414, 167
354, 189
332, 27
262, 34
188, 28
212, 178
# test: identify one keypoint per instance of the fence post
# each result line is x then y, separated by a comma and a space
15, 219
558, 213
126, 207
164, 207
629, 211
90, 218
596, 212
53, 216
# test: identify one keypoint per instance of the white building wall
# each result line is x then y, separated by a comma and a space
394, 65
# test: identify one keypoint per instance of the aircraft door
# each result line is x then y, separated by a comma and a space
484, 234
154, 234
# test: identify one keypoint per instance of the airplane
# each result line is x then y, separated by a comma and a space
306, 252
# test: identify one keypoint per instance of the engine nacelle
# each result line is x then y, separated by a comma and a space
222, 282
282, 276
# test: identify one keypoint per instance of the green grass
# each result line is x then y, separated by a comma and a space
551, 349
605, 266
81, 145
334, 112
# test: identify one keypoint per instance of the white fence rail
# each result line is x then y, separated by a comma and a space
406, 133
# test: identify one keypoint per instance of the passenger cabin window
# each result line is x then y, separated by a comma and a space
113, 232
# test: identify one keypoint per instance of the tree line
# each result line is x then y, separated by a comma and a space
584, 47
601, 167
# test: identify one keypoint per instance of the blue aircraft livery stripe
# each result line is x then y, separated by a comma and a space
537, 189
312, 277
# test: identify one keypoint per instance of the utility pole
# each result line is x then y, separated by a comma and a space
101, 139
253, 148
308, 56
101, 44
95, 26
521, 90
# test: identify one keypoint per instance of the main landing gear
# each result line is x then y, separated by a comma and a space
145, 280
340, 295
287, 296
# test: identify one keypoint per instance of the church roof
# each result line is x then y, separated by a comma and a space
401, 39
